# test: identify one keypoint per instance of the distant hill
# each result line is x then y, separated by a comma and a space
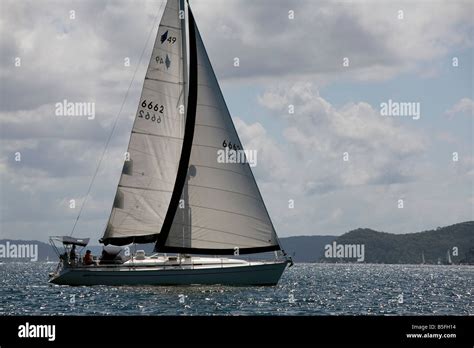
379, 247
306, 248
45, 251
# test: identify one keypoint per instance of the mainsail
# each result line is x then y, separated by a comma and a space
148, 177
193, 203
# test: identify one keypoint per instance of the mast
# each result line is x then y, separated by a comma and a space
183, 15
189, 125
184, 48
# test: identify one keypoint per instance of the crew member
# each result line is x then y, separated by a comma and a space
88, 260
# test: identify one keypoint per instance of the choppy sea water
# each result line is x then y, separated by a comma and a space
305, 289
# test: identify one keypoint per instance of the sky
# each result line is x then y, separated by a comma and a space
333, 164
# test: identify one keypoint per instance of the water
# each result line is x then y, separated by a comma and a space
305, 289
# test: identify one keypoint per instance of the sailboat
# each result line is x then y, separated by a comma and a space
423, 262
173, 190
448, 258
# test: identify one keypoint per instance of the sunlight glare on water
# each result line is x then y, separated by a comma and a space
305, 289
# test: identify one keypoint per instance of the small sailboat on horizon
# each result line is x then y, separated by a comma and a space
173, 191
48, 260
449, 261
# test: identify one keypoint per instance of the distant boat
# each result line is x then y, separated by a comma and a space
423, 262
448, 258
176, 189
439, 261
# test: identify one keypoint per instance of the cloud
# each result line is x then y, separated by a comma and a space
379, 150
387, 161
465, 106
271, 161
82, 60
378, 44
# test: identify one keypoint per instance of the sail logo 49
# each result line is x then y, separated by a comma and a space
84, 109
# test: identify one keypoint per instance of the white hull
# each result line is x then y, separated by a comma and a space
204, 271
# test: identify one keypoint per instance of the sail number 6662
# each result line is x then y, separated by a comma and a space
150, 107
230, 145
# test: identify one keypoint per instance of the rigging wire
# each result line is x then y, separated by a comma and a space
116, 120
